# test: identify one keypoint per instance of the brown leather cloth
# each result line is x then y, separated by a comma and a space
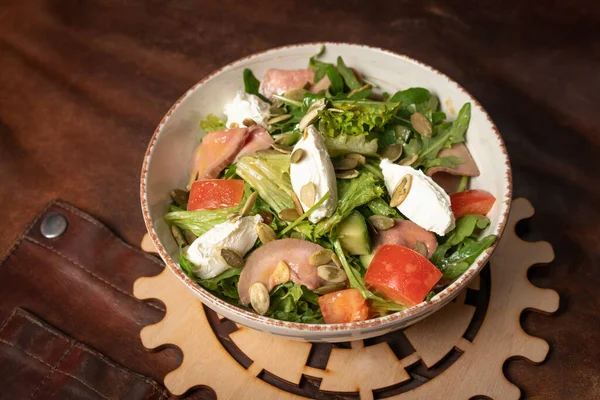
69, 324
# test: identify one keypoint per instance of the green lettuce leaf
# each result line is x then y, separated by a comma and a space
199, 221
344, 144
352, 193
212, 123
295, 303
431, 146
359, 117
269, 175
450, 162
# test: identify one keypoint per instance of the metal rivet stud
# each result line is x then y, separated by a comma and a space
53, 226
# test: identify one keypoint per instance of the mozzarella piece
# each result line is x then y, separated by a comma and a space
244, 106
426, 204
316, 167
205, 252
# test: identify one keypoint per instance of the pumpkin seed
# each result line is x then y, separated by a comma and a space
381, 222
232, 258
234, 216
421, 124
360, 159
326, 289
349, 174
234, 125
279, 118
249, 204
259, 298
335, 110
321, 256
275, 110
265, 233
248, 122
289, 214
393, 152
345, 163
420, 248
305, 134
331, 273
308, 193
295, 94
408, 160
281, 148
336, 260
178, 236
264, 152
297, 204
296, 156
401, 190
311, 115
180, 197
280, 275
189, 236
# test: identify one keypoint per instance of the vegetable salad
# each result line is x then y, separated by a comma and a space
316, 198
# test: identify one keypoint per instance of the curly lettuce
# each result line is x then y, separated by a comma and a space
355, 117
344, 144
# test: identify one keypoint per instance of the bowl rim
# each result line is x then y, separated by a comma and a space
420, 309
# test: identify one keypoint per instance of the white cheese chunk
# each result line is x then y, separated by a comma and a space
426, 204
244, 106
205, 252
315, 166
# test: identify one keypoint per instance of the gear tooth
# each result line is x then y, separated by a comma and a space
152, 336
532, 348
545, 300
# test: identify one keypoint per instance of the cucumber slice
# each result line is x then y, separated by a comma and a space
354, 234
365, 260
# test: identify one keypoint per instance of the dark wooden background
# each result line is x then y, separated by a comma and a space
84, 83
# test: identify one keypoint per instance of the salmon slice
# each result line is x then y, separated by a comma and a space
258, 139
263, 261
279, 81
216, 151
406, 233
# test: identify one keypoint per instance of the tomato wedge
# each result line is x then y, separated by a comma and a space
401, 274
209, 194
343, 306
471, 202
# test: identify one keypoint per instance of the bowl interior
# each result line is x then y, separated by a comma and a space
169, 153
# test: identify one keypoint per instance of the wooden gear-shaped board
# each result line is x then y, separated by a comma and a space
458, 351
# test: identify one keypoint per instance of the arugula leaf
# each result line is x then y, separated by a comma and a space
352, 193
268, 174
456, 134
410, 96
322, 69
465, 227
348, 75
450, 162
251, 85
295, 303
358, 117
344, 144
212, 123
223, 286
455, 265
229, 171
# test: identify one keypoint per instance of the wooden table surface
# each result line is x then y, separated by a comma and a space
84, 83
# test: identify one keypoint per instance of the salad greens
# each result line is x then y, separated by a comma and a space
355, 123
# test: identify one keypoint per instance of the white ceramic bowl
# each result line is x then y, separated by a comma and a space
170, 150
